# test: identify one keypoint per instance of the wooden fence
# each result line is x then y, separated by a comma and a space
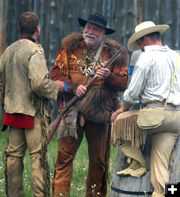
59, 18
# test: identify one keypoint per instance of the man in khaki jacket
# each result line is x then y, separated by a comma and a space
25, 90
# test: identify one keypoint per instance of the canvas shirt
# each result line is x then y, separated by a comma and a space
152, 77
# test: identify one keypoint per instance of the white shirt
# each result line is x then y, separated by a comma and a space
152, 76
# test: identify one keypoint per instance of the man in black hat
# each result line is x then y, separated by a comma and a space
81, 56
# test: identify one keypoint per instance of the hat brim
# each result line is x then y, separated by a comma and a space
132, 43
83, 22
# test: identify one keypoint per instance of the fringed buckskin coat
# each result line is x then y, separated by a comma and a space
74, 65
27, 87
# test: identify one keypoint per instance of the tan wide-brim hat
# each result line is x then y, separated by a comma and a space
143, 29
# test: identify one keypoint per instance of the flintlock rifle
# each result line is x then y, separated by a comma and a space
55, 123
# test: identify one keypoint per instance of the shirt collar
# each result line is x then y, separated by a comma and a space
29, 38
156, 48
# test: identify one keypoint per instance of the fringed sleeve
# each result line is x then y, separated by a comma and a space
60, 70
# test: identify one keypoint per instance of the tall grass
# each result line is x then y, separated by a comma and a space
78, 185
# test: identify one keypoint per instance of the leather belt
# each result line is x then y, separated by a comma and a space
169, 106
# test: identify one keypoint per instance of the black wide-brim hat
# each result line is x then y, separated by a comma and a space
96, 19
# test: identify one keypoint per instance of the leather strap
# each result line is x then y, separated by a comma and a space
172, 81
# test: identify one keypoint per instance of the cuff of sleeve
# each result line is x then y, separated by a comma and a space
65, 86
56, 90
127, 98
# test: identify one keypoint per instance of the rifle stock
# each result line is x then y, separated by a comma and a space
56, 122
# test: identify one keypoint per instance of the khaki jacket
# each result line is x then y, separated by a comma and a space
25, 86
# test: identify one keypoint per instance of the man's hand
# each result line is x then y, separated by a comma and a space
60, 85
116, 113
103, 73
81, 90
123, 108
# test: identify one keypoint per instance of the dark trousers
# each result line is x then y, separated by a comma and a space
98, 139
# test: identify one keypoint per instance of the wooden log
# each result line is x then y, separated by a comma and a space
143, 184
175, 169
3, 24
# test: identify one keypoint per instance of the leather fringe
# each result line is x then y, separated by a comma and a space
5, 156
125, 128
68, 124
44, 162
67, 129
41, 105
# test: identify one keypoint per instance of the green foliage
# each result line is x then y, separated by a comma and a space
3, 141
78, 185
